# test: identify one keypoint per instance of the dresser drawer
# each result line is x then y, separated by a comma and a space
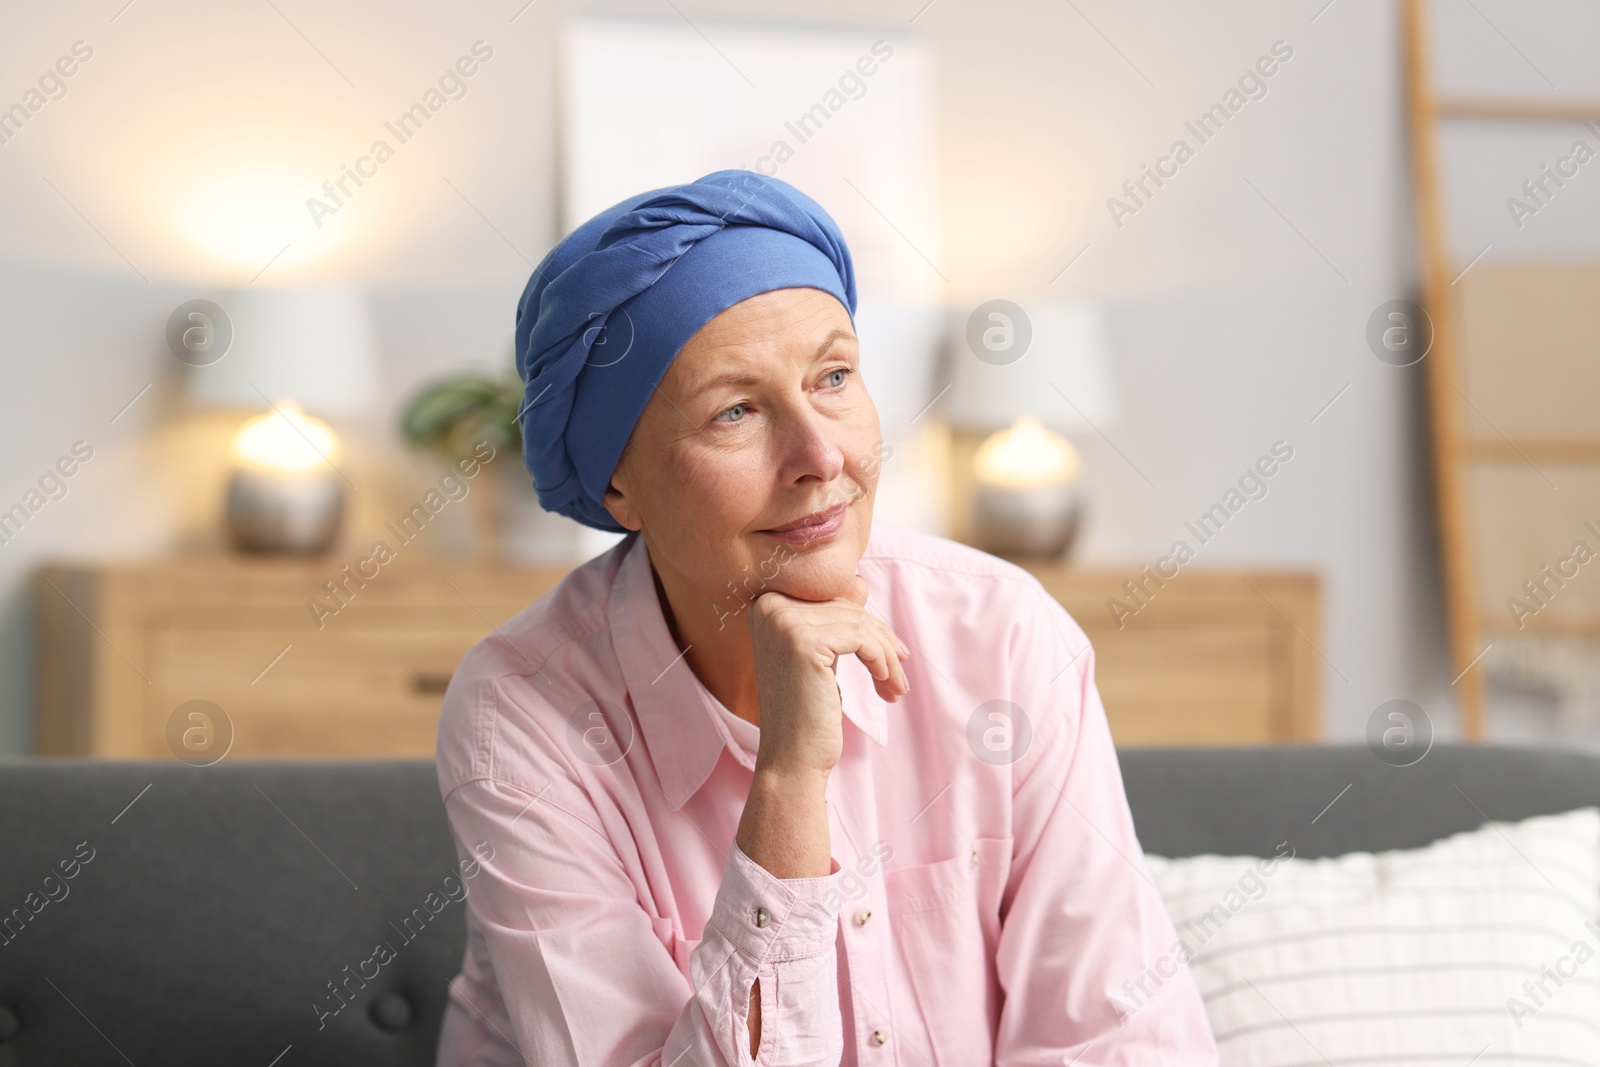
1188, 685
346, 693
123, 646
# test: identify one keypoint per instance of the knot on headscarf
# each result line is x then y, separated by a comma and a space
608, 308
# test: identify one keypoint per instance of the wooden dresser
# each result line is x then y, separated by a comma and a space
1214, 657
123, 645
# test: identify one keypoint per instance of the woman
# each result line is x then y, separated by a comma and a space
692, 827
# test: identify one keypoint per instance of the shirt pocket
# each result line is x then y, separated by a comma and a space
946, 918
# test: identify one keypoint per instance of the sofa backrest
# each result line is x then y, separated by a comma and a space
1326, 800
161, 913
209, 909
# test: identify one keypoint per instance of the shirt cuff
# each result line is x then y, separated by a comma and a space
770, 918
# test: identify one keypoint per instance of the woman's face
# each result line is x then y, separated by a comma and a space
761, 421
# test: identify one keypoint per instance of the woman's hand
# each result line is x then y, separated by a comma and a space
797, 645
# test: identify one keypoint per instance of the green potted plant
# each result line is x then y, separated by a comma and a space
450, 418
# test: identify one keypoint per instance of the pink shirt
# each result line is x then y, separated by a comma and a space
989, 903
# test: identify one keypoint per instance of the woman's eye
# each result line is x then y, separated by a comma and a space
834, 379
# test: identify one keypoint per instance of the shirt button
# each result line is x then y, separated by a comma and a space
973, 861
763, 917
880, 1036
862, 916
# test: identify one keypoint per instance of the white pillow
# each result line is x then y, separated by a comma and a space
1481, 948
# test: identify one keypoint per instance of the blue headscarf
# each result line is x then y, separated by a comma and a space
607, 310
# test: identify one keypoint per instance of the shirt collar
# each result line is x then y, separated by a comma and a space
676, 713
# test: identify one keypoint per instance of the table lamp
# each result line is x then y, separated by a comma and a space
1021, 380
292, 351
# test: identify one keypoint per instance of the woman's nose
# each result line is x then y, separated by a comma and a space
809, 448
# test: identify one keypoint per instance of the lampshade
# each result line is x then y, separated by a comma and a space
1063, 375
316, 346
899, 350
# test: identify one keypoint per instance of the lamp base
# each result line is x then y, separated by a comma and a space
295, 513
1038, 522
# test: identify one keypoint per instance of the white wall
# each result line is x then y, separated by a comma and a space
1238, 295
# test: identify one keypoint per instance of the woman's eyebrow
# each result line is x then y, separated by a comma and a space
836, 335
746, 379
729, 378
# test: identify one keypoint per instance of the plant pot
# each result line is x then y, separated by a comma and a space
509, 525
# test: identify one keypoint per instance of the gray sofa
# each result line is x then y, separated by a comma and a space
202, 916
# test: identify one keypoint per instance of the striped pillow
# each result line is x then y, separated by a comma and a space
1480, 948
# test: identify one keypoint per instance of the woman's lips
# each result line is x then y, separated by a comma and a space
816, 527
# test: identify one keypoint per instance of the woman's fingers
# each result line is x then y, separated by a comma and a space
898, 678
880, 651
885, 663
899, 668
873, 651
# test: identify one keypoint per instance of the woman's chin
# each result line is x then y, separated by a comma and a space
819, 570
819, 575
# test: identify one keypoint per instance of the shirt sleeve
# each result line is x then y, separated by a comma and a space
1093, 971
584, 974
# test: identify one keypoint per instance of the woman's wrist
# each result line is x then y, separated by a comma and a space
784, 827
794, 782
